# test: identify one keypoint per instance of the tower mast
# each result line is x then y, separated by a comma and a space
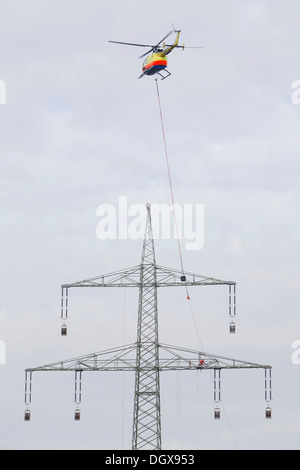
146, 415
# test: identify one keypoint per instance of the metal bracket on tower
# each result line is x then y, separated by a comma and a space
217, 392
77, 393
232, 307
268, 392
64, 309
28, 393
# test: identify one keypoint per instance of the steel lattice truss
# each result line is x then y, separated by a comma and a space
165, 277
147, 358
171, 358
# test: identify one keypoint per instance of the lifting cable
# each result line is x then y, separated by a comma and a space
174, 211
171, 186
180, 253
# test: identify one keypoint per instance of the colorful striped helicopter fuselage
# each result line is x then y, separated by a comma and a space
154, 64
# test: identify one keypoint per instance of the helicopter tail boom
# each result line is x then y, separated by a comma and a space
171, 47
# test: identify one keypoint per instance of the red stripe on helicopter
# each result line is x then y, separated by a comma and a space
156, 63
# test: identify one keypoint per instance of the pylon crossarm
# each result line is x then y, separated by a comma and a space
188, 359
171, 358
122, 358
173, 277
129, 277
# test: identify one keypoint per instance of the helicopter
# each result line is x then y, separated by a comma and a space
156, 62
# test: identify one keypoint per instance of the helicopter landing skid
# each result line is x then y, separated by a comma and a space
164, 76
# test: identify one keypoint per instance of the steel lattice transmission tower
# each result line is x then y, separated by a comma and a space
147, 357
146, 417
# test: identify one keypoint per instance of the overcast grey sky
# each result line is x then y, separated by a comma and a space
79, 129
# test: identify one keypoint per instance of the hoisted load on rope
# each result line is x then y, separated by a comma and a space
232, 328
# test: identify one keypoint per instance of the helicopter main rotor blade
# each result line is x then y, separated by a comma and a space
164, 38
154, 47
187, 47
148, 52
132, 44
144, 45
